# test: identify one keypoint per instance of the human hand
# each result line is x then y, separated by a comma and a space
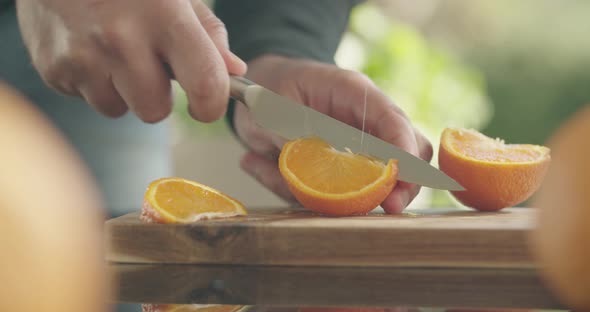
333, 91
114, 53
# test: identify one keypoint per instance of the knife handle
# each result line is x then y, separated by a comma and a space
238, 87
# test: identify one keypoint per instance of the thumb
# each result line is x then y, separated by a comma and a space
218, 34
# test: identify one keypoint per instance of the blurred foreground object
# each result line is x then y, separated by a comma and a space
50, 218
561, 241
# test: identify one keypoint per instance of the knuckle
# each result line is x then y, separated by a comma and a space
52, 74
114, 37
79, 61
354, 78
179, 29
61, 72
210, 82
214, 26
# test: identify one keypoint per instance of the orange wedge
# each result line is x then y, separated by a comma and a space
176, 200
333, 182
495, 175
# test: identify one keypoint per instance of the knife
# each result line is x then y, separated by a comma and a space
292, 120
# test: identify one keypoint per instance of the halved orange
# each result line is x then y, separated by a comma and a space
332, 182
495, 175
177, 200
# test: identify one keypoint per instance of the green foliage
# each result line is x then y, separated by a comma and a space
428, 83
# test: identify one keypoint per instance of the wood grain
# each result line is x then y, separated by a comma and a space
333, 286
436, 238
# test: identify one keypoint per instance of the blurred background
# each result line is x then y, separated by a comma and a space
513, 70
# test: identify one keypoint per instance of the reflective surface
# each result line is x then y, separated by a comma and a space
320, 289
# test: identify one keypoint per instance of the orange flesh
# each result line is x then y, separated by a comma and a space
477, 146
187, 200
329, 171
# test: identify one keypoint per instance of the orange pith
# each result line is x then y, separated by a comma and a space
495, 175
177, 200
332, 182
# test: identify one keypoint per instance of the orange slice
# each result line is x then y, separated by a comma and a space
495, 175
189, 308
333, 182
176, 200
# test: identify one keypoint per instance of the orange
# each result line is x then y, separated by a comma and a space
561, 239
177, 200
189, 308
495, 175
51, 218
333, 182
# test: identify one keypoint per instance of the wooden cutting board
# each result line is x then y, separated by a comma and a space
434, 238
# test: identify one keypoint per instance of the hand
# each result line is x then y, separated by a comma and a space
334, 91
114, 53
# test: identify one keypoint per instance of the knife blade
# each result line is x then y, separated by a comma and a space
292, 120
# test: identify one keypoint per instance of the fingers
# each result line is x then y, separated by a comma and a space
142, 82
266, 172
400, 197
378, 113
403, 193
110, 47
218, 34
101, 94
424, 146
197, 60
353, 98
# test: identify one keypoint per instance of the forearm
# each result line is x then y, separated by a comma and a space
295, 28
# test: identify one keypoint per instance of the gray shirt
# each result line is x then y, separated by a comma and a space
299, 28
5, 3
